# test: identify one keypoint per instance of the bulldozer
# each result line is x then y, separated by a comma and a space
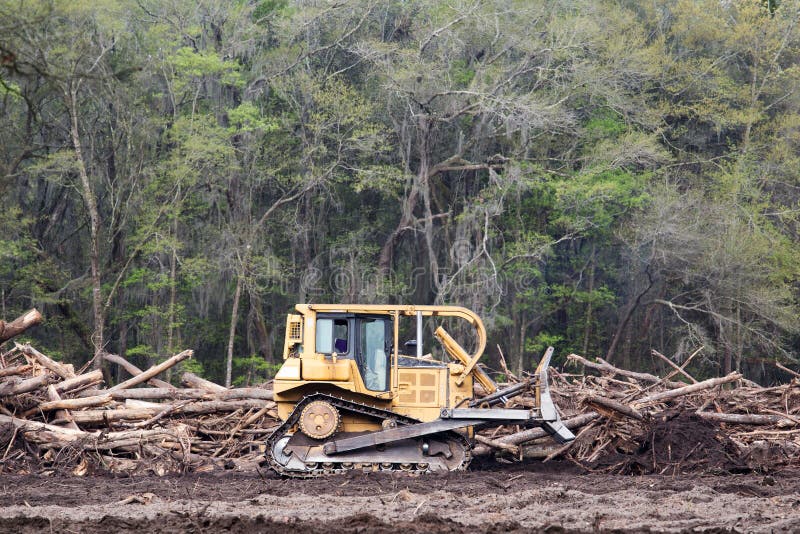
350, 397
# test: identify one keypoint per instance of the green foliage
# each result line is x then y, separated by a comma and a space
269, 9
603, 123
139, 350
248, 118
462, 73
385, 179
9, 89
539, 344
191, 64
551, 165
253, 369
594, 202
193, 365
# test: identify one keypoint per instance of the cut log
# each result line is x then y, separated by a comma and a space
256, 416
134, 403
495, 444
138, 414
25, 386
153, 371
685, 364
675, 367
536, 433
193, 381
19, 325
614, 406
59, 369
162, 394
63, 415
16, 370
51, 436
539, 451
39, 433
245, 393
97, 417
606, 367
135, 371
686, 390
87, 379
199, 408
191, 394
784, 368
75, 404
748, 419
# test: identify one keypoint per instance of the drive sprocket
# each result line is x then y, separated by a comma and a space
319, 420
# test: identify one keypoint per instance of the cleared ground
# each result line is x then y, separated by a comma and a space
553, 497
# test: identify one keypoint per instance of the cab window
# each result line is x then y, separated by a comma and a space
332, 336
373, 353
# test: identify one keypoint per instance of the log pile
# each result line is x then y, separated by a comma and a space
629, 422
52, 413
53, 416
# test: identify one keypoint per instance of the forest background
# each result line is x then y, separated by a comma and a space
608, 177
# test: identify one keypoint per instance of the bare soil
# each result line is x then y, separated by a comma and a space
493, 497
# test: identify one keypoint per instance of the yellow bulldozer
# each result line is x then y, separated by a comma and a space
350, 397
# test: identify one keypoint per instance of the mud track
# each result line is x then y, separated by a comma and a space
535, 497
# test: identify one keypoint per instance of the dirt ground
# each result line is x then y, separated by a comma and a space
532, 497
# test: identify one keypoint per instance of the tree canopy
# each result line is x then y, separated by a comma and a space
603, 176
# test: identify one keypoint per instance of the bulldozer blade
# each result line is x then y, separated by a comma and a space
371, 439
551, 421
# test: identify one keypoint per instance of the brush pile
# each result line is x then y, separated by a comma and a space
637, 423
53, 417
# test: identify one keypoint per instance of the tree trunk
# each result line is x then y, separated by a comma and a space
627, 317
587, 329
232, 332
94, 227
386, 256
727, 360
262, 328
521, 346
173, 260
425, 188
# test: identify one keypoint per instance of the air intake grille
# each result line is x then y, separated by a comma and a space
296, 330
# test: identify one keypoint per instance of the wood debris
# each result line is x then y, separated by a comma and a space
625, 421
639, 423
50, 413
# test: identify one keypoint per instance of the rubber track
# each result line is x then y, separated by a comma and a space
352, 407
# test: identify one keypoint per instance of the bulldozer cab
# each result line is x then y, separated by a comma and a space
355, 351
365, 339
